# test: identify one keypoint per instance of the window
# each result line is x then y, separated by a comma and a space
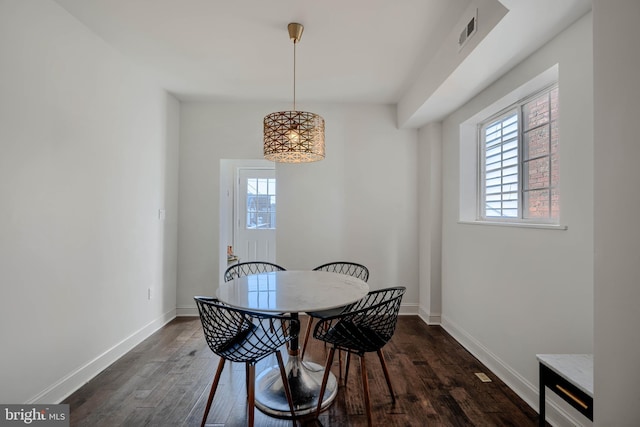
261, 203
519, 161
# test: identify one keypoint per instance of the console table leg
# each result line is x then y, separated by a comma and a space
541, 417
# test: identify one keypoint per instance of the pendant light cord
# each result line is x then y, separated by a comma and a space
294, 75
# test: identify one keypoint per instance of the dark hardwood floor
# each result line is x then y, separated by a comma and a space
165, 381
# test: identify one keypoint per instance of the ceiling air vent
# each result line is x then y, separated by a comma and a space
468, 31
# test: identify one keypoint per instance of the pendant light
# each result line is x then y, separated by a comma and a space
294, 136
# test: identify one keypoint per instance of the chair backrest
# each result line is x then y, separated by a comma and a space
346, 267
252, 267
366, 325
241, 335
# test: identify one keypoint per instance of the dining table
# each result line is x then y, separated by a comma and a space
293, 292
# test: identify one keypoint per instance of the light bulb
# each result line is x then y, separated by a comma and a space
293, 136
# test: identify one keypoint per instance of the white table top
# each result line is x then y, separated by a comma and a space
577, 368
292, 291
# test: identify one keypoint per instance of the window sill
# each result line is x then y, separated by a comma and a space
517, 224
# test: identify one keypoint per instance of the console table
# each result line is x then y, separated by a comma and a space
570, 376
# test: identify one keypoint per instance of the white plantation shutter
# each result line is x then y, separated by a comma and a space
500, 188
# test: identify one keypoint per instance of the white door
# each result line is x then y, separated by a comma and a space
255, 215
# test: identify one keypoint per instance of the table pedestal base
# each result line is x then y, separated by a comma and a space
305, 379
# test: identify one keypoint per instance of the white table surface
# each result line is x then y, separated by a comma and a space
577, 368
292, 291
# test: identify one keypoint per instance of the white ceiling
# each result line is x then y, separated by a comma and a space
369, 51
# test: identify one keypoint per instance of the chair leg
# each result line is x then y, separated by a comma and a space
306, 337
365, 387
246, 378
214, 386
346, 370
287, 390
386, 374
252, 393
325, 377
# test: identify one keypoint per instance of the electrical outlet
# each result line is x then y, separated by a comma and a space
483, 377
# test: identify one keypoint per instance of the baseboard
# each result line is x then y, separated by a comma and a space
528, 392
428, 318
408, 309
187, 311
59, 391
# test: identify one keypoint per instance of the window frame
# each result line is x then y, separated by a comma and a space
517, 106
256, 198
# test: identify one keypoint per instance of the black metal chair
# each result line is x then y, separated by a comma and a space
365, 326
341, 267
243, 336
252, 267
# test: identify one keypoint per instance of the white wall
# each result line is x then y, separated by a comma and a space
617, 201
510, 293
89, 155
360, 203
208, 134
